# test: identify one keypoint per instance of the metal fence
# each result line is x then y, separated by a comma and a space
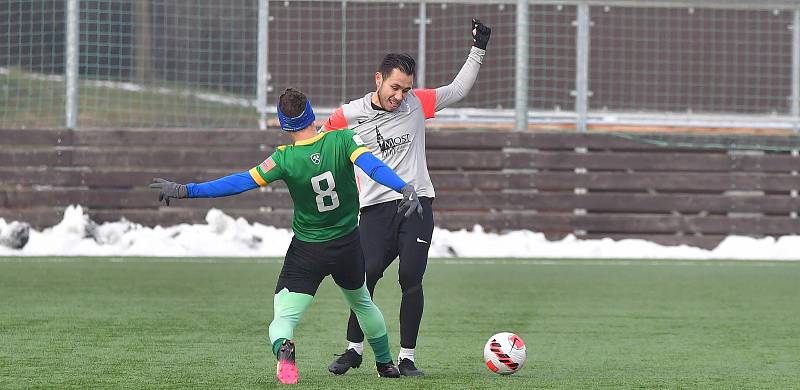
205, 63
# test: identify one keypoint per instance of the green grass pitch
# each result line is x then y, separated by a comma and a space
160, 323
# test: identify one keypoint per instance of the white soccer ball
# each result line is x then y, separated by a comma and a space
505, 353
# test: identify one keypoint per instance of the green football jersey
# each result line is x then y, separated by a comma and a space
321, 180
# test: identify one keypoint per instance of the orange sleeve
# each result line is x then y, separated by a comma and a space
428, 99
337, 121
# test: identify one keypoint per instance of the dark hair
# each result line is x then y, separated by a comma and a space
402, 62
292, 102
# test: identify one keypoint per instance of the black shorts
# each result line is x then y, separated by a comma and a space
385, 235
307, 263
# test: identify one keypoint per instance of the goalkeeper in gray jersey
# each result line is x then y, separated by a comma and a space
391, 122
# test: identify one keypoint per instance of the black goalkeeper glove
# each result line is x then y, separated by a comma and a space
169, 190
410, 202
480, 34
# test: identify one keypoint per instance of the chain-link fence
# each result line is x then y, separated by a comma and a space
205, 63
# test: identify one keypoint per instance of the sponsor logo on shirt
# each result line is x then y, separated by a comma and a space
390, 146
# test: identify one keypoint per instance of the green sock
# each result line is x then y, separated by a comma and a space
289, 308
371, 321
369, 316
276, 346
380, 345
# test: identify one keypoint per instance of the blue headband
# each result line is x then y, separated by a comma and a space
299, 122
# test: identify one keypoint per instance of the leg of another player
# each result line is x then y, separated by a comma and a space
414, 237
371, 321
289, 308
355, 334
349, 275
377, 229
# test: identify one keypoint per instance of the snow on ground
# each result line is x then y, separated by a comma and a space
224, 236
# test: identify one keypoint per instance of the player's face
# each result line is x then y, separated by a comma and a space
392, 90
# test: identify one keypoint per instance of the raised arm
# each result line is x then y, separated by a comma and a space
465, 79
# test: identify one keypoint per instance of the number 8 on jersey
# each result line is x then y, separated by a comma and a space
325, 162
326, 177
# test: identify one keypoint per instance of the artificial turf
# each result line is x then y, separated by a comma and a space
161, 323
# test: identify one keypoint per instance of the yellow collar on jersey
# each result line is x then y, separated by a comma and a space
311, 140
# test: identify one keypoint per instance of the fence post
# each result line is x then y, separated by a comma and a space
581, 92
262, 71
73, 63
343, 37
143, 69
423, 21
521, 68
796, 71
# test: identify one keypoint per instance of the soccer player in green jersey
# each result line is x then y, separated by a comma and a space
318, 170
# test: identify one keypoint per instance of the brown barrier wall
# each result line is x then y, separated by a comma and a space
590, 185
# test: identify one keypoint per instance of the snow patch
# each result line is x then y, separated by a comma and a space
225, 236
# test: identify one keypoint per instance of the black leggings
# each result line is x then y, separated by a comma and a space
385, 235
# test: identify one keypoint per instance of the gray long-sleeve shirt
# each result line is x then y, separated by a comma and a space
398, 137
